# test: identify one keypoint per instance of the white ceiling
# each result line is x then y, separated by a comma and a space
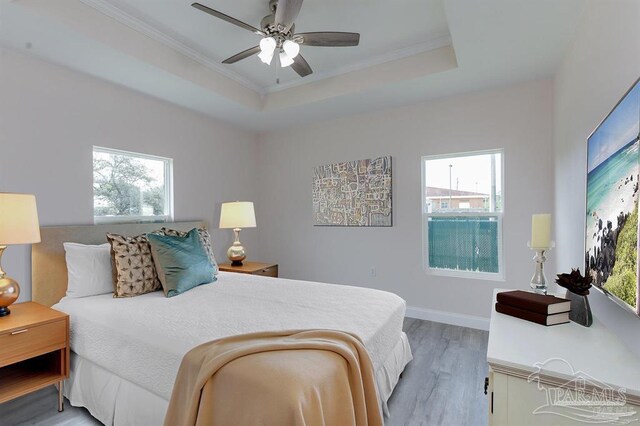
411, 50
384, 29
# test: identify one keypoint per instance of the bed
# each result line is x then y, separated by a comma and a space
126, 352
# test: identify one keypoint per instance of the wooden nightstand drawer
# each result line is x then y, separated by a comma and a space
34, 350
252, 268
27, 342
268, 272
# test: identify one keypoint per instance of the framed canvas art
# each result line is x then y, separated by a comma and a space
353, 193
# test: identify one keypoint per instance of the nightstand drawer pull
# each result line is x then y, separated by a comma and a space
19, 331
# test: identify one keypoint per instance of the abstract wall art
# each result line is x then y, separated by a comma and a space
353, 193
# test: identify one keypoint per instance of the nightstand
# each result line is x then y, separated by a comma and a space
252, 268
34, 350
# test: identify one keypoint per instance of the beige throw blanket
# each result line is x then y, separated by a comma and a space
316, 377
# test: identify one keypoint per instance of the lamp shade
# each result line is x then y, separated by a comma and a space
267, 47
285, 60
292, 48
239, 214
18, 219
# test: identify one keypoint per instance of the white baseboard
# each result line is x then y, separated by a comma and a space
461, 320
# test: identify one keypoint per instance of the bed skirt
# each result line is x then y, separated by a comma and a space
119, 402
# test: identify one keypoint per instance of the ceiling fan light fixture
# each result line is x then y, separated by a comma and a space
268, 45
279, 36
291, 48
267, 48
285, 60
265, 57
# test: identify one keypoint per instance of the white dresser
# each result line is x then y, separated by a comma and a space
560, 375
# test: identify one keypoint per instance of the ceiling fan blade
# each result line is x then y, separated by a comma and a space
242, 55
330, 39
301, 66
227, 18
286, 12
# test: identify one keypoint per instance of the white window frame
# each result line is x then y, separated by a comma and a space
492, 276
168, 185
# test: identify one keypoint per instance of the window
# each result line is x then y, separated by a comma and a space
130, 187
463, 205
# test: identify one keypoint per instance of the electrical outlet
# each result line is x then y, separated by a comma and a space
373, 271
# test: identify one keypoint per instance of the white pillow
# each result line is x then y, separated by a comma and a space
89, 269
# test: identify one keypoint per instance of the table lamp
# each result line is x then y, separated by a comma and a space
18, 225
237, 215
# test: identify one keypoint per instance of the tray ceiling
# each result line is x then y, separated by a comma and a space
387, 28
411, 51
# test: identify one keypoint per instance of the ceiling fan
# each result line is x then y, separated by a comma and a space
278, 33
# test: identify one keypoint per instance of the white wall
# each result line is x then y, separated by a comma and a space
601, 64
517, 118
50, 117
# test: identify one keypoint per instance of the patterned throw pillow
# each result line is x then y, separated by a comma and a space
205, 239
133, 268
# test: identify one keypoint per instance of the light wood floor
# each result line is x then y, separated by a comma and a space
443, 385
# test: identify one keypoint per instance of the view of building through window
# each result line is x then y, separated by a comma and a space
131, 187
466, 182
463, 206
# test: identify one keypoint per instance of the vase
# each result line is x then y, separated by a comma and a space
580, 309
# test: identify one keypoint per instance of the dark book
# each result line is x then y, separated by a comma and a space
538, 303
560, 318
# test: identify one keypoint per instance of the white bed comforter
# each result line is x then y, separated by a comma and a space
143, 339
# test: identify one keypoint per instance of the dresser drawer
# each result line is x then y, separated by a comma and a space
271, 271
25, 343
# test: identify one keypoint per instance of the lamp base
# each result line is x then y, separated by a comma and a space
236, 252
9, 292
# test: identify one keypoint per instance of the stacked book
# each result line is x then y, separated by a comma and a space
538, 308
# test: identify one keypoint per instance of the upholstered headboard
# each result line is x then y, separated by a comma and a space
48, 266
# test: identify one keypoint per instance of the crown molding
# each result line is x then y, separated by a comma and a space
435, 43
108, 9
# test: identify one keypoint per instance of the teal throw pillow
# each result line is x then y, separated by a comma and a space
182, 262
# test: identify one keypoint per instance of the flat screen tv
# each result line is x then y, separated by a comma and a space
613, 174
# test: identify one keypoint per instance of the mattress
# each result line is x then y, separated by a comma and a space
143, 339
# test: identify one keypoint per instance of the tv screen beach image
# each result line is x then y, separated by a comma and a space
613, 171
